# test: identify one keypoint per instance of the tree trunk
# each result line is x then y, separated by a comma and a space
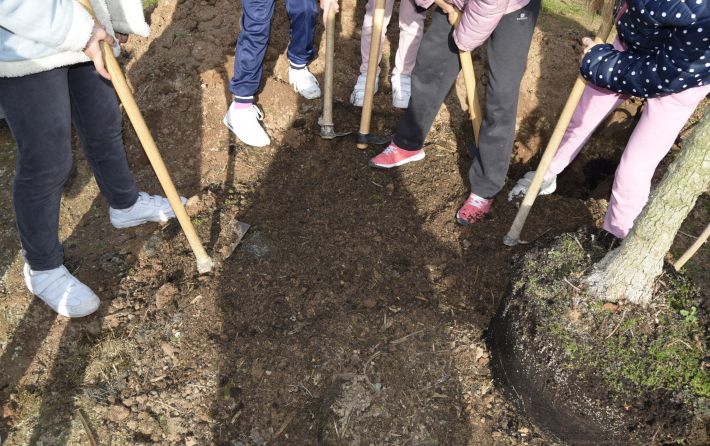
629, 272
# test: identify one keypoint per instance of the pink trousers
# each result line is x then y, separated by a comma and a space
411, 29
661, 121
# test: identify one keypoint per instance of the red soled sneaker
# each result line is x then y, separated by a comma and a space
473, 209
394, 156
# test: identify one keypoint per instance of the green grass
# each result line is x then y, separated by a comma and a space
149, 3
636, 350
567, 8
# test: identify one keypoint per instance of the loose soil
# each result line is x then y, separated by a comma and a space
354, 309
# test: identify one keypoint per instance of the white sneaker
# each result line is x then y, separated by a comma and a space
147, 208
549, 184
304, 82
357, 97
63, 292
401, 90
244, 123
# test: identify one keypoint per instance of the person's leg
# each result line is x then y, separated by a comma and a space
38, 112
594, 106
303, 15
661, 121
507, 57
411, 30
366, 32
251, 47
97, 118
434, 73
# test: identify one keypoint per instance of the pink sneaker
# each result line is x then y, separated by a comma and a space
394, 156
473, 209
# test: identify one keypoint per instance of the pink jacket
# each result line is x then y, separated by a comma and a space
480, 18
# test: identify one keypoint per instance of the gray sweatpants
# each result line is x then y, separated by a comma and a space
434, 74
39, 109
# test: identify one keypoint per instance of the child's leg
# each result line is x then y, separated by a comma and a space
661, 121
594, 106
507, 56
411, 30
366, 33
97, 118
435, 72
38, 112
251, 47
303, 15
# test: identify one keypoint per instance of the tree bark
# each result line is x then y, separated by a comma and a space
629, 272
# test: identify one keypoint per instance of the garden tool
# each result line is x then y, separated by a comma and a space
469, 80
363, 136
513, 236
327, 129
693, 249
204, 262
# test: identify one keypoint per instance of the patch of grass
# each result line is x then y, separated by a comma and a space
636, 351
108, 359
567, 8
149, 3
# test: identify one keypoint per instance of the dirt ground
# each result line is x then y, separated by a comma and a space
352, 312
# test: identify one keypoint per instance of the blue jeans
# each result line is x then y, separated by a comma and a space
254, 38
40, 109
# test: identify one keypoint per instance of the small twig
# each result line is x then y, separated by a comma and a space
283, 427
87, 428
404, 338
570, 284
617, 326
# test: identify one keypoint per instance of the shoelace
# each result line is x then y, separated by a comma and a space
257, 112
390, 149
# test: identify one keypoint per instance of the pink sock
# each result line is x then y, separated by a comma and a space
241, 105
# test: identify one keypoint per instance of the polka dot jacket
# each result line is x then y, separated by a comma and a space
667, 49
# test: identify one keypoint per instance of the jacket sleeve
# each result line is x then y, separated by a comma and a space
480, 18
61, 24
641, 74
127, 17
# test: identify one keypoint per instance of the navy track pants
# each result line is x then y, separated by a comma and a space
254, 38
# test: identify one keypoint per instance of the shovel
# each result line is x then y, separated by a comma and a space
363, 136
327, 129
513, 236
469, 80
204, 262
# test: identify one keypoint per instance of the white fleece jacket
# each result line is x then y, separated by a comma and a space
40, 35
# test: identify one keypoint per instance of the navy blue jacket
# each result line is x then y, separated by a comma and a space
668, 49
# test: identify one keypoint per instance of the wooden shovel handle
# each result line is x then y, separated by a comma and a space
375, 47
553, 144
204, 262
469, 80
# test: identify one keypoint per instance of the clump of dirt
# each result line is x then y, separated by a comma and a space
601, 370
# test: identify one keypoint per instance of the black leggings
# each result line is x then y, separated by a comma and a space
434, 74
39, 109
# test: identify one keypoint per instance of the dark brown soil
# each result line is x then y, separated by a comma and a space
353, 311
